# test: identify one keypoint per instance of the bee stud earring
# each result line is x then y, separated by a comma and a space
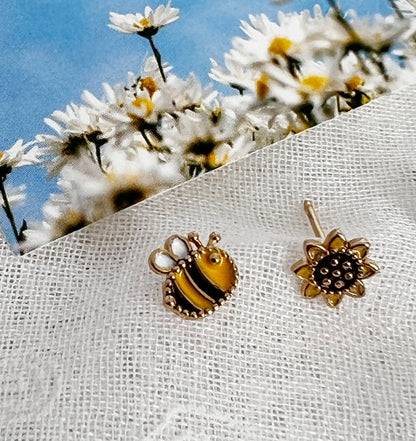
199, 279
335, 267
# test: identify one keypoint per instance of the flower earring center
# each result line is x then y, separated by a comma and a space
336, 272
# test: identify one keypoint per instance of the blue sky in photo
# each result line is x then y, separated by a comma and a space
51, 50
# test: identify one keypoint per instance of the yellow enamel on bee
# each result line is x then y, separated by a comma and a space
198, 280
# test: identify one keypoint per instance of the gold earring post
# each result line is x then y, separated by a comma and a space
313, 218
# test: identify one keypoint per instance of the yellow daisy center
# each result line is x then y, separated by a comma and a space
355, 82
1, 154
111, 177
69, 222
315, 82
365, 99
125, 196
216, 115
212, 159
280, 46
73, 216
215, 161
145, 23
262, 86
150, 85
140, 102
125, 180
130, 180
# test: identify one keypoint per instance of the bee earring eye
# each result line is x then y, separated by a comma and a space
215, 258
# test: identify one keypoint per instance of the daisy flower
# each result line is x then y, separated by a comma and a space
294, 36
206, 139
178, 95
19, 155
376, 34
306, 94
136, 177
267, 126
79, 135
139, 111
135, 115
147, 24
363, 85
59, 219
88, 195
236, 75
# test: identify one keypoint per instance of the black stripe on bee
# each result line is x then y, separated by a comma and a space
181, 300
205, 286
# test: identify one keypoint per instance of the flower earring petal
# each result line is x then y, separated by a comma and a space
335, 267
310, 290
302, 269
314, 250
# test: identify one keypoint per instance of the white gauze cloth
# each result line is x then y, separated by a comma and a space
88, 352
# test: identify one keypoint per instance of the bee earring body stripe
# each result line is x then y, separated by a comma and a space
223, 279
190, 292
211, 291
175, 295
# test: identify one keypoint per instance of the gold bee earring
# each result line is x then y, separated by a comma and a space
199, 279
335, 267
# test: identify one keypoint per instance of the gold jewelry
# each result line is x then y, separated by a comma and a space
198, 281
335, 267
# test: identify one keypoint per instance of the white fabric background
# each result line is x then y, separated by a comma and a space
88, 352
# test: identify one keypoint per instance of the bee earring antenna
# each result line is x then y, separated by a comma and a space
194, 238
214, 238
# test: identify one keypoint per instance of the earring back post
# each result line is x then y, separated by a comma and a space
313, 219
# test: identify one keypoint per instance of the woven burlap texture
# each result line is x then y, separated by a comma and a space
88, 352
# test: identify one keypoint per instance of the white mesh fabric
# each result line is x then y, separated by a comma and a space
89, 353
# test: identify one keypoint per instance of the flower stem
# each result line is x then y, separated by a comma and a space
158, 57
146, 138
97, 152
8, 210
340, 17
99, 159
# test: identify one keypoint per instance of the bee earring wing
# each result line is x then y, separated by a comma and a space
178, 247
161, 262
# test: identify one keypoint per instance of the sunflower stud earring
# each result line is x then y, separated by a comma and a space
199, 279
335, 267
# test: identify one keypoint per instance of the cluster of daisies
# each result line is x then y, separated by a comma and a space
158, 130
